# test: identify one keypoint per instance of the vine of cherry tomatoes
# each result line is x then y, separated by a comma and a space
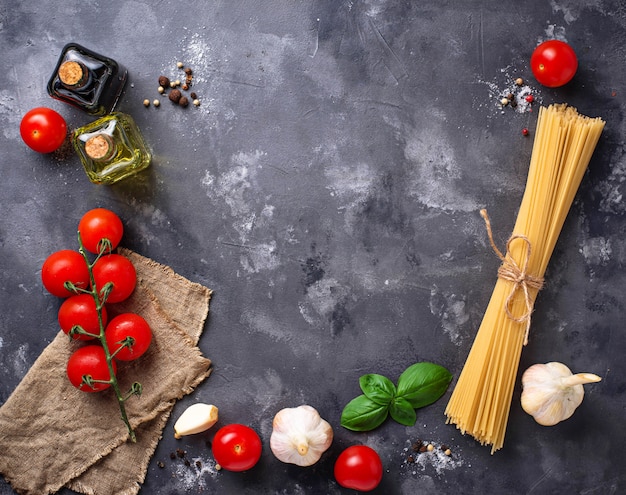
88, 286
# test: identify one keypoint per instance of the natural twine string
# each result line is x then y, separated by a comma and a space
510, 270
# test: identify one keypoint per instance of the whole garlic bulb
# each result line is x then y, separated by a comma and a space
300, 436
551, 393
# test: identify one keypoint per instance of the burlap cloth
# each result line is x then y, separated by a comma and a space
53, 435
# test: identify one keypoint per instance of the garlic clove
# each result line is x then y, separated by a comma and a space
195, 419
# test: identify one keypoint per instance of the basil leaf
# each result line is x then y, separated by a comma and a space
402, 411
363, 414
423, 383
378, 388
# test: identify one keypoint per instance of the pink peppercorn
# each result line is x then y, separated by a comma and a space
530, 98
525, 131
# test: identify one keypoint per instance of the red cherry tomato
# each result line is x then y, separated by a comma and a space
43, 129
359, 468
64, 266
118, 270
236, 447
99, 224
89, 362
128, 326
554, 63
80, 310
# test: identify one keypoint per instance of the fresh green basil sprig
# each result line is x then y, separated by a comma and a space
419, 385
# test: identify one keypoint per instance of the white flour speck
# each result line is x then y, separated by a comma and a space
437, 459
452, 312
194, 476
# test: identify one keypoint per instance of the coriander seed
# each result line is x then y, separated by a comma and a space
196, 102
161, 89
180, 65
146, 103
519, 81
156, 103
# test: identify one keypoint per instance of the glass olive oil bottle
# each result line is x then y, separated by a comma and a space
111, 148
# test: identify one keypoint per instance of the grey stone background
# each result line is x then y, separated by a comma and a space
328, 189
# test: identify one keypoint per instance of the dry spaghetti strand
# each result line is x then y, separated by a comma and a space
481, 400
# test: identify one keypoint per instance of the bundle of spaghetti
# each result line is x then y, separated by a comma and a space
481, 400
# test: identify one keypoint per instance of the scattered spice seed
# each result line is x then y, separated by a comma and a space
519, 81
177, 82
172, 84
187, 463
430, 447
156, 103
185, 86
194, 96
183, 101
164, 81
161, 464
146, 103
504, 102
447, 452
218, 467
530, 98
525, 131
180, 453
199, 464
196, 102
175, 95
161, 89
172, 455
180, 65
188, 71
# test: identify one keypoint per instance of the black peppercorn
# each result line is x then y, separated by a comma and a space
183, 101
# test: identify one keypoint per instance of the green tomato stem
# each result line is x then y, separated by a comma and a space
100, 300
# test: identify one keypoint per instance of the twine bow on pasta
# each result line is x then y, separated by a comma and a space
510, 270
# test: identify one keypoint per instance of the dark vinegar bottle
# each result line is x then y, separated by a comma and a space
87, 80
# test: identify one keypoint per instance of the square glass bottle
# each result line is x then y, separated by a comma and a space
87, 80
111, 148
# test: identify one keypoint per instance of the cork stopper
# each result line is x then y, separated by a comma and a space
99, 147
72, 73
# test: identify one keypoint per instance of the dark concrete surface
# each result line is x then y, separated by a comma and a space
328, 189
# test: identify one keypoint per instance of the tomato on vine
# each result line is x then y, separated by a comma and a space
359, 468
87, 369
99, 224
80, 310
43, 130
131, 328
61, 267
236, 447
554, 63
117, 270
